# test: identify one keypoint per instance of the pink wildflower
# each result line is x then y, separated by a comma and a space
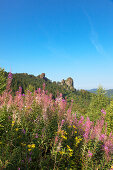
89, 153
36, 136
62, 122
103, 111
102, 137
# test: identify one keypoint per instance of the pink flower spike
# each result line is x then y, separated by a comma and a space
62, 122
103, 111
36, 136
89, 153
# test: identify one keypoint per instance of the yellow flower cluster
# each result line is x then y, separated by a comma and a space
62, 152
13, 122
77, 140
111, 166
0, 143
70, 150
16, 129
74, 127
64, 137
62, 133
32, 146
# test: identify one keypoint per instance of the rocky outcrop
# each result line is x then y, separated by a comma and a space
68, 83
63, 82
42, 76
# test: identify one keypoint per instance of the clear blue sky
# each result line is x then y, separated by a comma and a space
63, 38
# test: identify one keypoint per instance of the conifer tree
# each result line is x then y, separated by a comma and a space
2, 80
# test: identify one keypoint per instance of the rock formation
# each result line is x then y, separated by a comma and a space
68, 83
42, 76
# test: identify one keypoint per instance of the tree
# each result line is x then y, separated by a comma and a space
98, 102
2, 80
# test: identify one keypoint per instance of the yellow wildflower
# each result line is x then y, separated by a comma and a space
111, 166
29, 149
75, 131
74, 126
62, 152
29, 146
65, 132
70, 154
13, 122
16, 129
70, 150
33, 146
0, 143
77, 140
64, 137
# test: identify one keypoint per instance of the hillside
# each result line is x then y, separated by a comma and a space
108, 93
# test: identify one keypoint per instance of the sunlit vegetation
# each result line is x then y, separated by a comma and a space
41, 130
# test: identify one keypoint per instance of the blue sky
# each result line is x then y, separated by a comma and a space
62, 38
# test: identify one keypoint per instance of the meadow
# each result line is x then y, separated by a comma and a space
40, 132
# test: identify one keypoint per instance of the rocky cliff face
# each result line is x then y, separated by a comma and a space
42, 76
68, 82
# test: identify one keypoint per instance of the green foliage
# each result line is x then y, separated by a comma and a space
2, 80
98, 102
31, 88
109, 116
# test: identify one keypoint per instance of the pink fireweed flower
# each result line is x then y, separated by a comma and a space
23, 130
103, 111
106, 149
39, 90
62, 122
81, 120
20, 90
72, 100
10, 75
56, 139
89, 153
60, 94
36, 136
102, 137
88, 126
69, 116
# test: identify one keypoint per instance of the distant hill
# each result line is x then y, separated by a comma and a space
108, 93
